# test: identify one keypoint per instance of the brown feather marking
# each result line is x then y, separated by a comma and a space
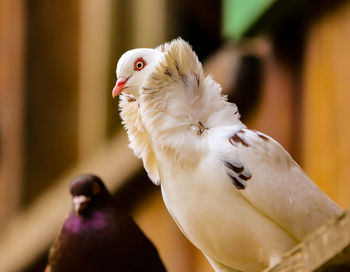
236, 139
131, 99
182, 75
245, 177
197, 78
237, 184
263, 137
235, 169
177, 68
168, 72
260, 135
202, 128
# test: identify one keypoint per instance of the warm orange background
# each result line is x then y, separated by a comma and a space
58, 120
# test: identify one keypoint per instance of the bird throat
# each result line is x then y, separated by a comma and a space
96, 220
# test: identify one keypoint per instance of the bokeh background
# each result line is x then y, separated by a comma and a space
285, 63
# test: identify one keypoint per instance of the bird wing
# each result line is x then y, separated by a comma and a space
267, 176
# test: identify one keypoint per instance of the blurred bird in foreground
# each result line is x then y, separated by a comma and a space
98, 237
235, 193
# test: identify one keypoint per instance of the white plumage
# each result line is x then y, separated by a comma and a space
235, 193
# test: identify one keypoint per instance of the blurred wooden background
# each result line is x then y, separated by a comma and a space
326, 100
58, 119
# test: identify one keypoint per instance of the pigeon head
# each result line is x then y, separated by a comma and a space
132, 68
87, 190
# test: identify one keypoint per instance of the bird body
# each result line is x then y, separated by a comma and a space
98, 237
235, 193
218, 220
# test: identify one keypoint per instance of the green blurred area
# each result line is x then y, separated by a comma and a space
238, 16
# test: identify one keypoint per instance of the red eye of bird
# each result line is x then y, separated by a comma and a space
139, 64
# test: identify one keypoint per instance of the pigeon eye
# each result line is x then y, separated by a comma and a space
139, 64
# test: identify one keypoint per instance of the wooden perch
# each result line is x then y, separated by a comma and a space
327, 249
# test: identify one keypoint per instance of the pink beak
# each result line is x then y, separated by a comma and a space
119, 86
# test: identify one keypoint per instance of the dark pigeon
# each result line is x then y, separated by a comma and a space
98, 237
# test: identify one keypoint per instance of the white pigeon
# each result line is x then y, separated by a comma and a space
235, 193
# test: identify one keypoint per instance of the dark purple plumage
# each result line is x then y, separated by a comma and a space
97, 237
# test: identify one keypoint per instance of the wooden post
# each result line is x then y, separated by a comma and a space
149, 22
326, 100
11, 105
323, 249
95, 46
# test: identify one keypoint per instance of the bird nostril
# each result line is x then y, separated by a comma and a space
119, 83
